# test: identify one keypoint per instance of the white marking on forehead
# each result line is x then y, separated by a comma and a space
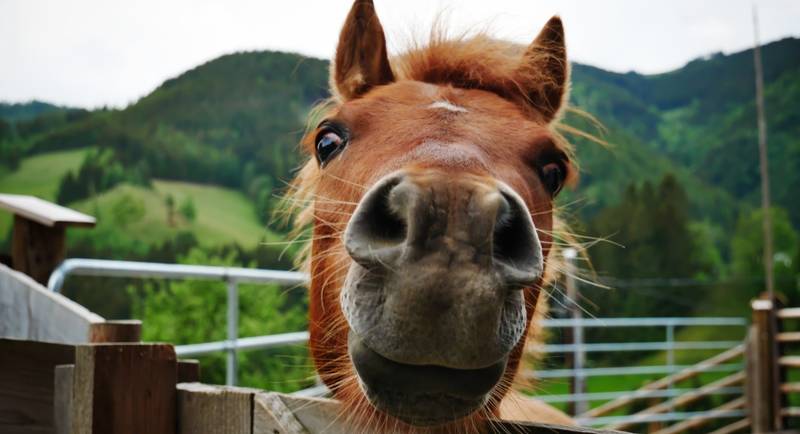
447, 105
448, 154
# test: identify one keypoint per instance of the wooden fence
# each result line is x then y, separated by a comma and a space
64, 369
133, 388
763, 398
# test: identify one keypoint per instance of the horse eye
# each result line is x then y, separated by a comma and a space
329, 143
552, 175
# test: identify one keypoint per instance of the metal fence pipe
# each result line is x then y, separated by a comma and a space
251, 343
644, 322
271, 341
661, 393
630, 370
233, 333
110, 268
638, 346
202, 349
662, 417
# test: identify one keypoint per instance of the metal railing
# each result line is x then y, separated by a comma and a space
669, 345
233, 276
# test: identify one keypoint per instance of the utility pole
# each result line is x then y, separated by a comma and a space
762, 155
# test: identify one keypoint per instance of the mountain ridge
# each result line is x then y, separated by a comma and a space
235, 121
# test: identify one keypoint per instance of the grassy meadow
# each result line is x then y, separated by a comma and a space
39, 176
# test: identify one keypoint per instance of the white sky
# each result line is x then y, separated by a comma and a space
111, 52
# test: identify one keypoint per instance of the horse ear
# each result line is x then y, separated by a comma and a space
361, 58
544, 70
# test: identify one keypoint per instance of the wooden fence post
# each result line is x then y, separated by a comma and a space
26, 384
763, 384
206, 409
124, 389
38, 238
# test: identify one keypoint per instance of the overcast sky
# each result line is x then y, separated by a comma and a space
91, 53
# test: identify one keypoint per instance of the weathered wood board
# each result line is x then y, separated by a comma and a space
124, 389
44, 212
206, 409
62, 405
27, 377
28, 311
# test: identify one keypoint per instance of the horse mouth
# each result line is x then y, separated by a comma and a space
421, 395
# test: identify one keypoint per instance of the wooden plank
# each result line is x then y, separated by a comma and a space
313, 415
316, 414
790, 412
44, 212
188, 371
789, 313
698, 421
28, 311
206, 409
62, 399
788, 337
790, 387
27, 379
124, 389
733, 427
789, 361
667, 381
115, 331
679, 401
276, 413
507, 427
272, 416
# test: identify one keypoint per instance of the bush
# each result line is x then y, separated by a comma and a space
193, 311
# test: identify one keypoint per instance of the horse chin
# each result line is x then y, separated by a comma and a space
422, 395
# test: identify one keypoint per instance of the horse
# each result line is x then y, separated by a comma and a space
429, 194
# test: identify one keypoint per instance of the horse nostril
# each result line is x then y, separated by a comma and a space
516, 245
378, 226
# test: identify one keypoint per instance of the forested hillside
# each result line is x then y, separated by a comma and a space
680, 174
702, 117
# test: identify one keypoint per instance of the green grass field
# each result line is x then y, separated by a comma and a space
38, 176
223, 215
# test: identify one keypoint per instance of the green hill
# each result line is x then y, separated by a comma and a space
234, 122
38, 175
702, 118
28, 110
223, 216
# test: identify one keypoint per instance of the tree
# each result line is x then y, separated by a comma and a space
190, 311
127, 210
747, 247
169, 202
652, 239
187, 209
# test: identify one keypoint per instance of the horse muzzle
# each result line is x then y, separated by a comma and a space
434, 296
